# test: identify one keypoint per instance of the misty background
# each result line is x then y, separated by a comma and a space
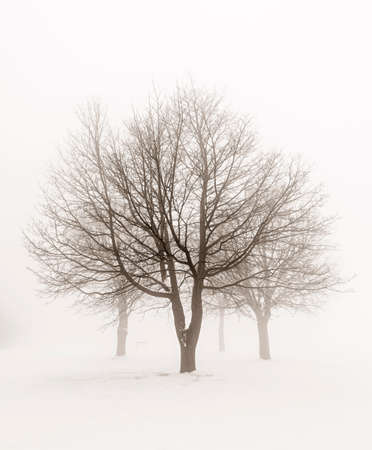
302, 70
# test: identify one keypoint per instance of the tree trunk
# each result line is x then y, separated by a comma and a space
221, 329
122, 330
263, 337
187, 358
192, 333
188, 338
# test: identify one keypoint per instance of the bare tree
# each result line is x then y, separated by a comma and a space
125, 306
120, 305
293, 273
126, 303
177, 201
216, 305
69, 243
63, 273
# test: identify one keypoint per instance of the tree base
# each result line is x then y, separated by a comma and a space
187, 359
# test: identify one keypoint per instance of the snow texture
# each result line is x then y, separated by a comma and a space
89, 403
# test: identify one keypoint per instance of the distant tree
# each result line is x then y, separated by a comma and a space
121, 304
86, 277
180, 198
123, 312
216, 306
69, 260
293, 273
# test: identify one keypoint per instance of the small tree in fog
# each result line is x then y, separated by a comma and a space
121, 304
291, 273
70, 262
216, 306
124, 309
72, 268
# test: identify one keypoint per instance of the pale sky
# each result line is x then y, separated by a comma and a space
302, 69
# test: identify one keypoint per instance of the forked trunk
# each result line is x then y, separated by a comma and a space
122, 330
188, 341
188, 338
263, 338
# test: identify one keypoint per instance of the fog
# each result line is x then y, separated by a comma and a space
301, 70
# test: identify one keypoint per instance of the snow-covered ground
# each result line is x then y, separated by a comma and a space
77, 402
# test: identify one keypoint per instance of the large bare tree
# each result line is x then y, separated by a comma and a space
171, 205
